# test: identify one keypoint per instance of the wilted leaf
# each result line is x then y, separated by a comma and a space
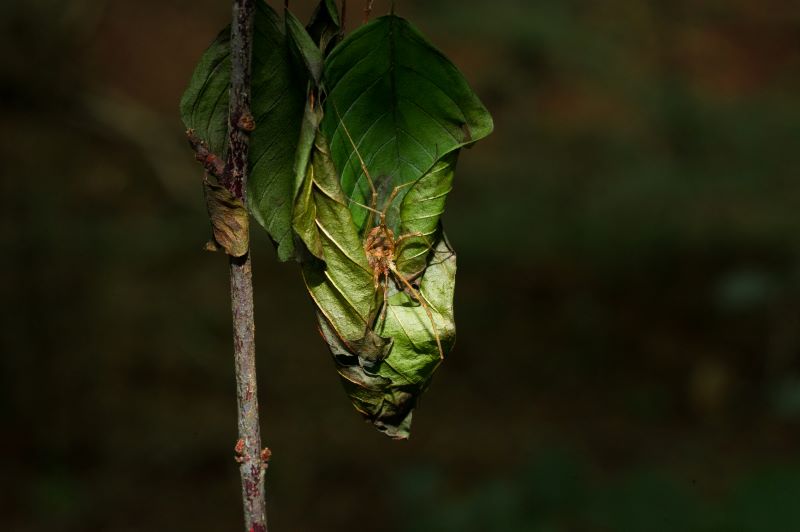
278, 102
228, 220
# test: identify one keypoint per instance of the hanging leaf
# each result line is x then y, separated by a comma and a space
325, 27
304, 213
386, 391
408, 136
304, 47
278, 103
385, 364
384, 372
405, 106
342, 285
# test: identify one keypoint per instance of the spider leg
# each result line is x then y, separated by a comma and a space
392, 197
428, 248
376, 276
373, 207
373, 190
370, 209
385, 297
415, 234
421, 300
394, 193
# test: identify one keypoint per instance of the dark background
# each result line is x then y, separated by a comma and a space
628, 297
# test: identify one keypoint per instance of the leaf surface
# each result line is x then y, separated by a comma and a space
405, 106
305, 47
386, 389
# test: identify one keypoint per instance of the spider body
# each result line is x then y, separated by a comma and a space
379, 246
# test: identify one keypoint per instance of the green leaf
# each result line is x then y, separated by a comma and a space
404, 104
278, 103
387, 389
304, 47
204, 104
325, 26
415, 354
341, 286
420, 212
304, 211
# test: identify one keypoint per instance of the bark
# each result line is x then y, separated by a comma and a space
252, 459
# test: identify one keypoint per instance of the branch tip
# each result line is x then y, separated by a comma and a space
367, 10
211, 163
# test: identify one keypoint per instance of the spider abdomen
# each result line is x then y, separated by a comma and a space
379, 248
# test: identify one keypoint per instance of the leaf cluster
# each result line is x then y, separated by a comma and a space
337, 118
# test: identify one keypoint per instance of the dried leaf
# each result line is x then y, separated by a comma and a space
229, 224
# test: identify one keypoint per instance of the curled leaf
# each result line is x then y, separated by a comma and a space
397, 112
387, 393
325, 26
228, 217
385, 363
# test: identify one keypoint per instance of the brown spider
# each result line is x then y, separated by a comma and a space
380, 245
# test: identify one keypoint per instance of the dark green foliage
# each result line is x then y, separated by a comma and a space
385, 112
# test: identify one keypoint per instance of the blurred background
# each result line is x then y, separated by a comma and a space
628, 296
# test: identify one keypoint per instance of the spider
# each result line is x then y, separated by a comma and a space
380, 245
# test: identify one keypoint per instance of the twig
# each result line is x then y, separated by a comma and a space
240, 122
212, 164
343, 16
367, 10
